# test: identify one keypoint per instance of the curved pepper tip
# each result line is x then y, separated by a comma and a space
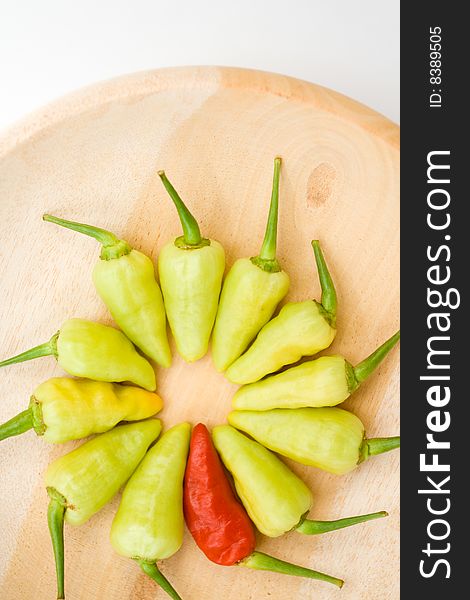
191, 232
328, 292
312, 527
266, 259
151, 569
265, 562
356, 375
22, 422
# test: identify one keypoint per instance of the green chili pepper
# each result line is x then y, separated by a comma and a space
80, 483
88, 349
276, 499
149, 523
300, 329
125, 281
326, 381
191, 270
251, 291
63, 409
329, 438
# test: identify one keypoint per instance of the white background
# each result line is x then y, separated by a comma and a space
51, 47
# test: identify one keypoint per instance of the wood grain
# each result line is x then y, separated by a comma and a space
93, 157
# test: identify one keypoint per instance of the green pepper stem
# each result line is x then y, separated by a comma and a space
328, 292
369, 364
264, 562
191, 232
106, 238
151, 569
113, 247
47, 349
18, 425
310, 527
268, 249
373, 446
55, 520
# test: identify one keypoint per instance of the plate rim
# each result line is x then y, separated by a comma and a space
147, 82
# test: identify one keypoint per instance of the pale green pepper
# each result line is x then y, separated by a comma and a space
125, 280
300, 329
251, 291
88, 349
80, 483
276, 499
326, 381
149, 523
191, 270
63, 409
329, 438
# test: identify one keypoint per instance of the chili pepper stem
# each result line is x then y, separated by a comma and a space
380, 445
374, 446
55, 520
368, 365
310, 527
328, 292
36, 413
264, 562
113, 247
18, 425
267, 256
47, 349
151, 569
191, 232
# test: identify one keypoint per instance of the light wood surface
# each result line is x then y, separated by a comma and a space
94, 156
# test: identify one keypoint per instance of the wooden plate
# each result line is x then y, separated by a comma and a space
93, 156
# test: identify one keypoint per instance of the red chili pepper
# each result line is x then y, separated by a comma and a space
217, 520
218, 523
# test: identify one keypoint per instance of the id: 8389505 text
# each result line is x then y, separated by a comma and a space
435, 67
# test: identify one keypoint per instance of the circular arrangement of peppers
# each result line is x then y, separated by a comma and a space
182, 477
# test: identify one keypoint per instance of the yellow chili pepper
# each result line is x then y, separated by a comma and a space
191, 270
326, 381
300, 329
149, 523
63, 409
329, 438
276, 499
88, 349
80, 483
125, 281
251, 291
